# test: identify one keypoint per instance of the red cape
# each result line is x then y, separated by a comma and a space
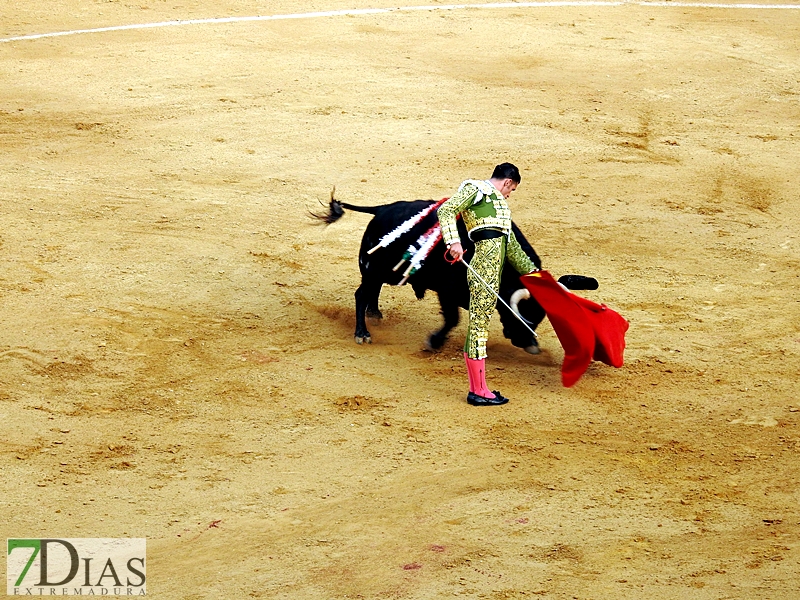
586, 330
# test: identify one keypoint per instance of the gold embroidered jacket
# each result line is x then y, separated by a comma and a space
482, 206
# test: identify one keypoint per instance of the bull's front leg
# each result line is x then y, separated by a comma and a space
450, 313
367, 292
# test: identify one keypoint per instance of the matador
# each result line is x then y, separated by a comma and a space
487, 217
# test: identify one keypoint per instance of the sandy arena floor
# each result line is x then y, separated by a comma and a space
176, 351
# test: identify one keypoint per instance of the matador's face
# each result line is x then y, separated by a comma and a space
508, 186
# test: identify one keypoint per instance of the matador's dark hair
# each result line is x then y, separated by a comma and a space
507, 171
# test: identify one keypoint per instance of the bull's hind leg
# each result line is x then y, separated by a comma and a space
450, 313
373, 312
367, 292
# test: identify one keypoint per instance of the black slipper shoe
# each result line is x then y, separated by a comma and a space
476, 400
499, 395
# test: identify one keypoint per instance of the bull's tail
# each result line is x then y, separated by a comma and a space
336, 210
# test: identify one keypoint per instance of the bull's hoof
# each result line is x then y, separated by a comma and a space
435, 342
363, 339
533, 349
374, 313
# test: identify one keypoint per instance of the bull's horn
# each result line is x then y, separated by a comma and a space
333, 191
516, 297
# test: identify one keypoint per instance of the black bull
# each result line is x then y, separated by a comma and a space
449, 281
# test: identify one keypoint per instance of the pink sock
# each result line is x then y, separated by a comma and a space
469, 374
476, 371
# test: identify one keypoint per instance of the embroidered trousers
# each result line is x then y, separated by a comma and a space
488, 262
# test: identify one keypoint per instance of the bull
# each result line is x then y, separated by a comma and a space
448, 281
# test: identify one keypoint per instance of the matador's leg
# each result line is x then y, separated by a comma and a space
488, 263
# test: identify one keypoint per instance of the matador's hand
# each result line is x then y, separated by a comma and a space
456, 251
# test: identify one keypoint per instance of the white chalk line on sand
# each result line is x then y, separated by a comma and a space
374, 11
